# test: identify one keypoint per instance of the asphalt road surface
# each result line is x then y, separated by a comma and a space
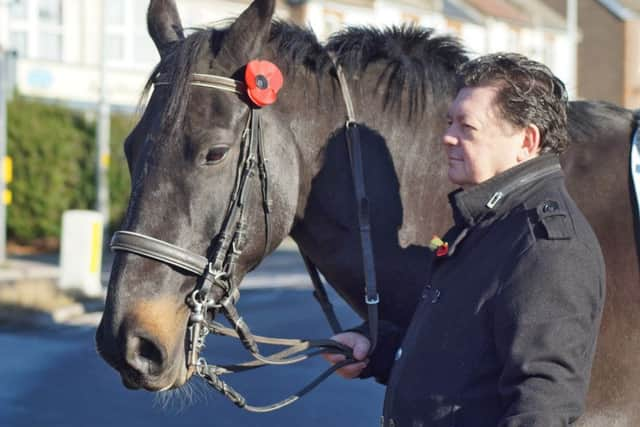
53, 377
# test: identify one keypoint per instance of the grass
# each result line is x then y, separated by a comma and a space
20, 301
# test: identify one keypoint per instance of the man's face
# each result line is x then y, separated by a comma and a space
479, 143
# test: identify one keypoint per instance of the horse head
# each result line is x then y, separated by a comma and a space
199, 144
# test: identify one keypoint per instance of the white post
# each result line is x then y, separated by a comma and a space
572, 35
81, 252
102, 131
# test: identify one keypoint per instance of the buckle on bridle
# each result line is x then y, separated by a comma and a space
372, 301
201, 366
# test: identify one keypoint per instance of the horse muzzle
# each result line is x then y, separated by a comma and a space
145, 357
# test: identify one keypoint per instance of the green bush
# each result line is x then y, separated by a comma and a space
54, 157
119, 181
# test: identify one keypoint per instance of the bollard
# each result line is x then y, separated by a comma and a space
81, 252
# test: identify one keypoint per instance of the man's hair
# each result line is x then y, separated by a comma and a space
528, 93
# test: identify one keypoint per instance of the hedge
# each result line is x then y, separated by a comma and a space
54, 157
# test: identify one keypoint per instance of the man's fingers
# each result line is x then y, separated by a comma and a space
333, 358
359, 343
351, 371
361, 349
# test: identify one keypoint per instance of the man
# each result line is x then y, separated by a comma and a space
505, 332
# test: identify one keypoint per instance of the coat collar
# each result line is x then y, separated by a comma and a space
498, 195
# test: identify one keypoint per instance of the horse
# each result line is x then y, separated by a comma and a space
185, 151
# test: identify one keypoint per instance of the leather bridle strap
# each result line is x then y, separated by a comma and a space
352, 132
159, 250
320, 294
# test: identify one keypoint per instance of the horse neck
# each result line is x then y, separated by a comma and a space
403, 161
314, 111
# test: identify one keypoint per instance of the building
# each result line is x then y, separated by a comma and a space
60, 55
608, 52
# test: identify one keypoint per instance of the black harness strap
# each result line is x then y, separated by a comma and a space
320, 294
352, 132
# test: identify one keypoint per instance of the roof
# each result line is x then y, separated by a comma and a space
500, 9
541, 15
455, 10
625, 10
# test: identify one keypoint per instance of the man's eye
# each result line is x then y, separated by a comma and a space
216, 154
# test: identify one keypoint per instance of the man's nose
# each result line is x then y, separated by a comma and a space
449, 138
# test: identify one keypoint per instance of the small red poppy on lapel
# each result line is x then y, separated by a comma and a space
264, 80
440, 247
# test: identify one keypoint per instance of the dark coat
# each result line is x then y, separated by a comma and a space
505, 332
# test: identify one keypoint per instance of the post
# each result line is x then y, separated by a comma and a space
572, 34
102, 130
3, 152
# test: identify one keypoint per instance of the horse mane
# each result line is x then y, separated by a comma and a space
415, 61
588, 118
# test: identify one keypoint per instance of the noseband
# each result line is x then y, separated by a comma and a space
217, 290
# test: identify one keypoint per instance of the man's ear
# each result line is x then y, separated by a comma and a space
530, 146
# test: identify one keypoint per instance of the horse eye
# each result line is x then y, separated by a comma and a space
216, 154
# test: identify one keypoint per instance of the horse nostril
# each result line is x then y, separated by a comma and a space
145, 356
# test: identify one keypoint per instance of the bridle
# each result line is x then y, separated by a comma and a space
218, 291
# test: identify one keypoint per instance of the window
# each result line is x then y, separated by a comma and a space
18, 42
50, 45
116, 12
127, 40
36, 28
50, 12
115, 48
144, 51
49, 28
18, 9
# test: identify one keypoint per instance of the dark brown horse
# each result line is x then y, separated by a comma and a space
183, 157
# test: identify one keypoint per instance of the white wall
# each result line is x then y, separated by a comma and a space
75, 77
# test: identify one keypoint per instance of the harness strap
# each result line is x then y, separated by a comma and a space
208, 80
352, 133
159, 250
320, 294
351, 116
214, 380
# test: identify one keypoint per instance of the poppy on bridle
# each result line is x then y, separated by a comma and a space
440, 247
263, 80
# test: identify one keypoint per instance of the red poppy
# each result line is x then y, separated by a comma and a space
442, 250
264, 80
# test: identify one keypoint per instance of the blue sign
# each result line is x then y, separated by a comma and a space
40, 78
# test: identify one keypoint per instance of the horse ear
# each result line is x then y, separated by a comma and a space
163, 23
250, 31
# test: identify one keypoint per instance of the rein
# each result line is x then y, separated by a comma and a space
216, 289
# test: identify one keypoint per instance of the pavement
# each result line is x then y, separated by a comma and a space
282, 269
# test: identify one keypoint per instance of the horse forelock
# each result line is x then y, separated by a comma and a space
414, 60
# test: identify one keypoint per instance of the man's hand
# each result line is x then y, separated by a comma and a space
360, 345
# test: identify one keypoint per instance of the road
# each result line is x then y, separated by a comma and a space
53, 376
